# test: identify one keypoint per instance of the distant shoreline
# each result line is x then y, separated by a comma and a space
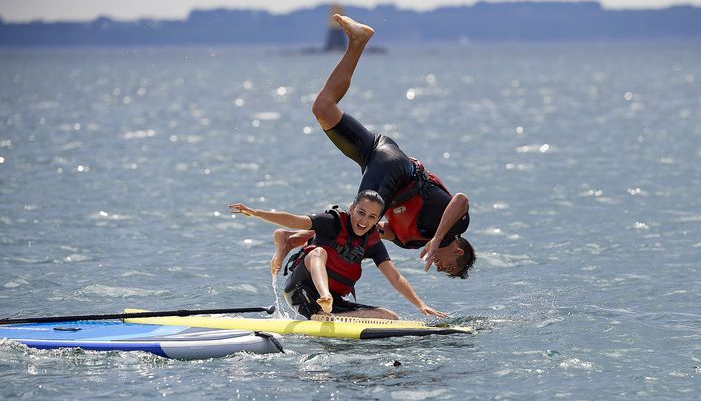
482, 22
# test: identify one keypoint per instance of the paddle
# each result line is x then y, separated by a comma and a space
182, 312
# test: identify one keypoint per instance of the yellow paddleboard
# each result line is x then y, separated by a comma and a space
321, 326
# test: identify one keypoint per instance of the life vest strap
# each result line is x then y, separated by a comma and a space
419, 178
350, 254
293, 261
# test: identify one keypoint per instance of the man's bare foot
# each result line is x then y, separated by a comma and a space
356, 31
326, 303
282, 248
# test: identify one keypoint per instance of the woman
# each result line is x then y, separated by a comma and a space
327, 269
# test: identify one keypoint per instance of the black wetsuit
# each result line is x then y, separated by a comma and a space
387, 169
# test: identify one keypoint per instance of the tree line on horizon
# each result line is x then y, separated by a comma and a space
481, 22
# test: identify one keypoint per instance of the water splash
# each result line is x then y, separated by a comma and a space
280, 312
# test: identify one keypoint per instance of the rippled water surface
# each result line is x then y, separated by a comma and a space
581, 162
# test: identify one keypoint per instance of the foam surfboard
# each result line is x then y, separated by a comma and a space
177, 342
320, 326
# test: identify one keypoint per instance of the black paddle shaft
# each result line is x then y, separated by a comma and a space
133, 315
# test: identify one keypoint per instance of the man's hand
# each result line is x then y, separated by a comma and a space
430, 253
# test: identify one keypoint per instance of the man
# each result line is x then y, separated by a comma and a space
327, 269
419, 209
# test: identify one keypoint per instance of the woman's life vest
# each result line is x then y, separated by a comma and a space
345, 254
405, 209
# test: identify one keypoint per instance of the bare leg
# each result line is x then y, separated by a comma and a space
285, 241
375, 313
315, 261
325, 106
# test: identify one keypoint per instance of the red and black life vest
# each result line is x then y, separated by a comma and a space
403, 213
345, 254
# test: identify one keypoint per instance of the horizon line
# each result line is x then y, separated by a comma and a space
184, 17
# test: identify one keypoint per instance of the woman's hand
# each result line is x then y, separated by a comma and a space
240, 208
427, 310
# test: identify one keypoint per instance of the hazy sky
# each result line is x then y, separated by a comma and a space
73, 10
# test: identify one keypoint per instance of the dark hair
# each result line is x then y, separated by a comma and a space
466, 260
371, 196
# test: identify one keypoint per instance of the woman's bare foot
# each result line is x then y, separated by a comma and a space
326, 303
356, 31
282, 248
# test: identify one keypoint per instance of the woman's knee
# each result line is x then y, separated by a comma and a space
388, 314
316, 253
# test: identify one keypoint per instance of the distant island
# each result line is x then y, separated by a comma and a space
481, 22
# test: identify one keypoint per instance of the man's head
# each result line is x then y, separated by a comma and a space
456, 259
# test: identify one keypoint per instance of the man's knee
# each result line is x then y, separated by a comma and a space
326, 111
322, 106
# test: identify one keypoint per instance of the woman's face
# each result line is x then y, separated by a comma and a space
364, 215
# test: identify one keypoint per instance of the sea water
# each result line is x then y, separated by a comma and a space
582, 163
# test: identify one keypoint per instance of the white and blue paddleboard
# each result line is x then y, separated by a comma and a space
177, 342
